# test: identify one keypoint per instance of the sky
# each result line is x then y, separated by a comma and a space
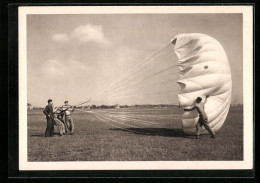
73, 57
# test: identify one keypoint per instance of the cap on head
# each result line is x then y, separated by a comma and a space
50, 100
66, 102
199, 99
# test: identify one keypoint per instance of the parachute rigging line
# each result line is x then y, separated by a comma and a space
161, 92
148, 60
111, 119
136, 88
127, 125
118, 126
129, 118
123, 84
138, 116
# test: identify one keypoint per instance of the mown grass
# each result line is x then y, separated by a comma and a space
95, 140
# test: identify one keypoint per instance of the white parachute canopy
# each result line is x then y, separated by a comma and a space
204, 71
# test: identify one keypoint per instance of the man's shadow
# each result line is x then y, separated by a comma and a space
164, 132
43, 135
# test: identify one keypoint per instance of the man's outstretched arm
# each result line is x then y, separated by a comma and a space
206, 99
191, 109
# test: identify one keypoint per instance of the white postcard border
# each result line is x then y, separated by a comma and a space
247, 163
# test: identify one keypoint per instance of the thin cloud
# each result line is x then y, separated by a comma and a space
90, 33
57, 68
60, 37
54, 68
84, 34
77, 65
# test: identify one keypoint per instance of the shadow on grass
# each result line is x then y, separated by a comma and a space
164, 132
43, 135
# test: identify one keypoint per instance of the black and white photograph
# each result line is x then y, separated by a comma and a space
116, 88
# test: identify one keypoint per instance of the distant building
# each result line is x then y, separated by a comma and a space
236, 105
117, 106
29, 106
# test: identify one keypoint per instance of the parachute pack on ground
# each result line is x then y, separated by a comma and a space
204, 70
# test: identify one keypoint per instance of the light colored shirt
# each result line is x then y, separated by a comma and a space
68, 109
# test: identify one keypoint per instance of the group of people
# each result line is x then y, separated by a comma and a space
59, 116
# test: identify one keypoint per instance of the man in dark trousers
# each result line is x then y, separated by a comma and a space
48, 111
203, 118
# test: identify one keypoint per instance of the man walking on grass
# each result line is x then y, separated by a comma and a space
203, 118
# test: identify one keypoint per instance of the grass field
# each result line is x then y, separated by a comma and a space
150, 135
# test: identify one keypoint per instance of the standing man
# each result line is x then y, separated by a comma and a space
48, 111
203, 118
68, 109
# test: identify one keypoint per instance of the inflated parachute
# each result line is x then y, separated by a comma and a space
204, 70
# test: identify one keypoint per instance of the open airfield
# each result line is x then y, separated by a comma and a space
133, 134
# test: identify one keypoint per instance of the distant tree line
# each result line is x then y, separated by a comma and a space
128, 106
29, 106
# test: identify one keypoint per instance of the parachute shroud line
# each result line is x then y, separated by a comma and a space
119, 126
